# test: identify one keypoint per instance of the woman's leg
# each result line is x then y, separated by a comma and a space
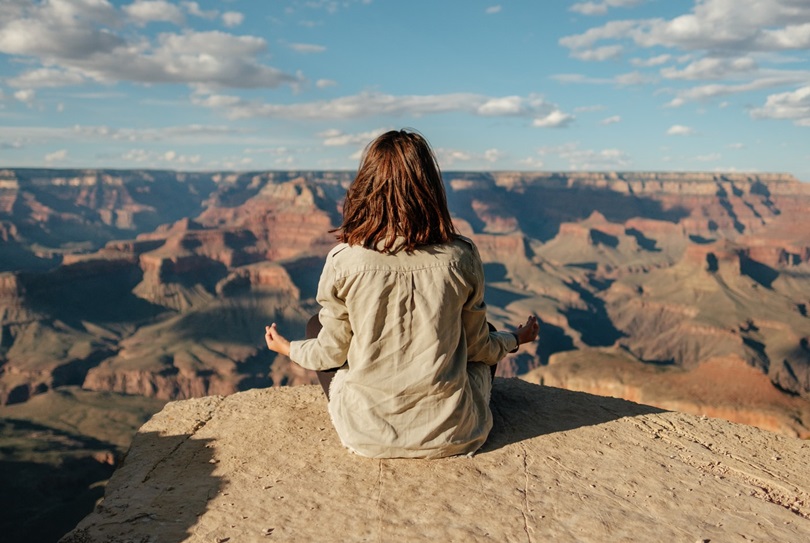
324, 377
494, 367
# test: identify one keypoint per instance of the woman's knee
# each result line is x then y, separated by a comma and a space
313, 327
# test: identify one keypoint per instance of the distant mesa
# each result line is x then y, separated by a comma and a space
158, 283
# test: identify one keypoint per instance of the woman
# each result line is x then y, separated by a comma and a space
403, 315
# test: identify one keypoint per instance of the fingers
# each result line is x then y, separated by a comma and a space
270, 333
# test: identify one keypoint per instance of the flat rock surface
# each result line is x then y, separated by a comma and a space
266, 465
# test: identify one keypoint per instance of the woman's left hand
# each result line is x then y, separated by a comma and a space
527, 333
275, 341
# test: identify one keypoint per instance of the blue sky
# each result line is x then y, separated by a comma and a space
710, 85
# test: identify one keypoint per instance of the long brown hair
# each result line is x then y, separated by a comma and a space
398, 192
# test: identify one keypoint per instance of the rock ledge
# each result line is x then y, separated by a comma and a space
266, 465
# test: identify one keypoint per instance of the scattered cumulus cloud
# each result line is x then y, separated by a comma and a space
652, 61
587, 159
147, 11
371, 104
493, 155
713, 25
26, 96
711, 68
493, 9
555, 119
736, 146
306, 48
680, 130
620, 80
168, 158
710, 157
46, 77
606, 52
601, 8
89, 40
717, 40
56, 156
325, 83
336, 138
716, 90
588, 109
611, 120
792, 105
531, 163
634, 78
193, 8
450, 157
232, 19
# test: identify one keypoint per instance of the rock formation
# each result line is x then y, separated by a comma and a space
266, 465
129, 280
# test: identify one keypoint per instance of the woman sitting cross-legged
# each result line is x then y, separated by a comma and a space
402, 319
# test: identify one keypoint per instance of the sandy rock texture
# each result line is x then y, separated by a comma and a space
266, 465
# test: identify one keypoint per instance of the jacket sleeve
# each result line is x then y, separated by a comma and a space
330, 348
482, 344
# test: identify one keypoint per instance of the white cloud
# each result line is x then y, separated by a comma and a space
680, 130
46, 77
306, 48
736, 146
652, 61
587, 159
193, 134
56, 156
710, 157
621, 80
606, 52
493, 9
555, 119
507, 105
336, 138
587, 109
26, 96
147, 11
449, 157
634, 78
193, 8
714, 25
267, 151
715, 90
493, 155
601, 8
325, 83
611, 30
611, 120
169, 158
86, 39
712, 68
531, 163
793, 105
232, 18
371, 104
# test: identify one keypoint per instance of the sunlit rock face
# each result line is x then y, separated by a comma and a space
159, 283
266, 464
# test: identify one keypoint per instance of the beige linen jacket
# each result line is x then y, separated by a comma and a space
412, 331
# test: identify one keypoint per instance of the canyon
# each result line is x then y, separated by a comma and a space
683, 290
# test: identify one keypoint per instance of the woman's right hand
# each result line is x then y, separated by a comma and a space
526, 333
275, 341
